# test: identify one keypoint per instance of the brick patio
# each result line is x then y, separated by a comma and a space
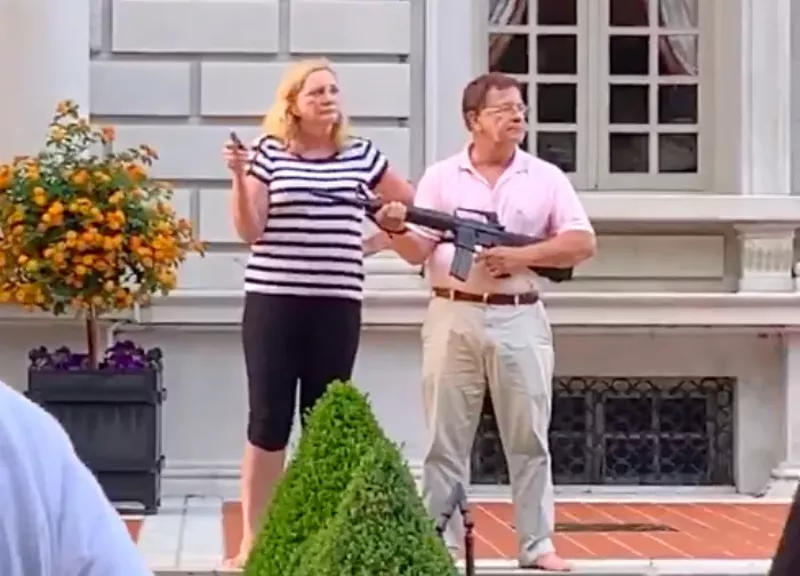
620, 531
194, 534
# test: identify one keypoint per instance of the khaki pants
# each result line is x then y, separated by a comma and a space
466, 347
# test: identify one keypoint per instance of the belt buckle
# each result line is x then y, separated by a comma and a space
485, 298
451, 295
517, 298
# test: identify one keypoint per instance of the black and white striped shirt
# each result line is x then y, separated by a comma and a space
311, 246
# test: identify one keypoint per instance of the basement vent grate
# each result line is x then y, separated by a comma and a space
612, 527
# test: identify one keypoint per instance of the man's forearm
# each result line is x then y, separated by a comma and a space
564, 251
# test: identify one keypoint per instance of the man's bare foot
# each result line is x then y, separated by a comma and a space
238, 561
550, 562
235, 563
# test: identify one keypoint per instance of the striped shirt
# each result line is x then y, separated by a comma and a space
311, 246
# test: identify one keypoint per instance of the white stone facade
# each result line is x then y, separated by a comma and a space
685, 283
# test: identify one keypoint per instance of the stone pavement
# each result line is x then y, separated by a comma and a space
630, 535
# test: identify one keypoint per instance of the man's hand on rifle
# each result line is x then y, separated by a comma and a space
502, 261
391, 217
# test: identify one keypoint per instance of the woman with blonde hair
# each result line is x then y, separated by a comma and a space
304, 278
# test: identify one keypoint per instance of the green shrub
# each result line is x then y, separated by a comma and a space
339, 431
381, 527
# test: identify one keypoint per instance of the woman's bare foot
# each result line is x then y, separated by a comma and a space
550, 562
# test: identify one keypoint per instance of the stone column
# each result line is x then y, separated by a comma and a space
767, 252
786, 475
454, 42
765, 159
44, 58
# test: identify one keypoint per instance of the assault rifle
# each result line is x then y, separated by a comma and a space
469, 235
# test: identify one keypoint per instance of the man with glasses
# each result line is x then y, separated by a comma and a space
491, 331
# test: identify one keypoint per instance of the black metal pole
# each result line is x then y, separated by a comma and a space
787, 557
458, 501
469, 540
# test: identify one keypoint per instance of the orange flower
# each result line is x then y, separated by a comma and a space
136, 172
6, 173
92, 231
80, 178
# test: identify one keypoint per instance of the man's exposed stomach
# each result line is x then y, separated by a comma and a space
479, 281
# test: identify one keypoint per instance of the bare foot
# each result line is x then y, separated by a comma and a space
238, 561
550, 562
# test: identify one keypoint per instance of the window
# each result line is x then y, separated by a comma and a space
618, 90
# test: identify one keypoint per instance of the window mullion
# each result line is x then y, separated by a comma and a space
594, 103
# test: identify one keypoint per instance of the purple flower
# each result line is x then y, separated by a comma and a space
123, 356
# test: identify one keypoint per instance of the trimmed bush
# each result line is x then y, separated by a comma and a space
340, 430
381, 527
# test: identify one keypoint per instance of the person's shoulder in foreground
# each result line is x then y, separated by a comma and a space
55, 519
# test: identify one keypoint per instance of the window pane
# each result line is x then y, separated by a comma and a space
683, 14
544, 55
556, 103
653, 92
508, 12
557, 13
558, 148
677, 104
629, 153
524, 89
557, 54
628, 104
677, 153
629, 55
677, 55
628, 13
508, 53
525, 143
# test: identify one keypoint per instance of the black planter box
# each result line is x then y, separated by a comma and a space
114, 421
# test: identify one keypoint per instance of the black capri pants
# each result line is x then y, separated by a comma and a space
287, 340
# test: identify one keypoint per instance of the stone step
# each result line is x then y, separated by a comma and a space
582, 568
511, 572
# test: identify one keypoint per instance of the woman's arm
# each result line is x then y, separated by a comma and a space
249, 206
378, 242
394, 188
391, 187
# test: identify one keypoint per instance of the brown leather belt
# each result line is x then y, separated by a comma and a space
493, 299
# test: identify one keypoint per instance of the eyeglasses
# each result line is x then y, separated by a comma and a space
508, 109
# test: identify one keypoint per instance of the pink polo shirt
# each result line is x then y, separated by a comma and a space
532, 197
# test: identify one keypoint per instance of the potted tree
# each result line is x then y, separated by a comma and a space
85, 231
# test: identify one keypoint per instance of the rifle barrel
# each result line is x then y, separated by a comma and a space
433, 219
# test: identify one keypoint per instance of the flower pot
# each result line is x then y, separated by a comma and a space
114, 421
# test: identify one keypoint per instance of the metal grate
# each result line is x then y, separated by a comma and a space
627, 430
606, 527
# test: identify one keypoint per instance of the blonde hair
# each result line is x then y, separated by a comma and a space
281, 122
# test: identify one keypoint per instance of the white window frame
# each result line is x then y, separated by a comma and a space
717, 117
